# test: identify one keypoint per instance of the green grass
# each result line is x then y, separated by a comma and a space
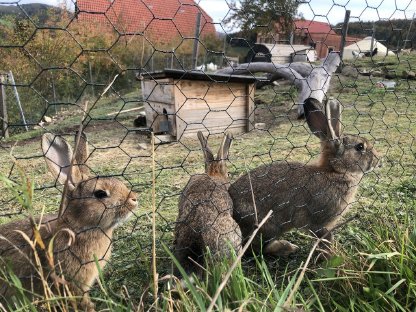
375, 255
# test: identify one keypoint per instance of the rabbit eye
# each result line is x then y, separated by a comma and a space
100, 194
359, 147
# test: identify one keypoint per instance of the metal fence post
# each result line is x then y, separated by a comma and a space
19, 105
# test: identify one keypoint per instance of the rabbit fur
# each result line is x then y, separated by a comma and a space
95, 207
205, 212
304, 196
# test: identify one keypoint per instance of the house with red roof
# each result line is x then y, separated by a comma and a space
319, 35
159, 20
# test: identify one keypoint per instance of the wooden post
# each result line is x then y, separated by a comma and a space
343, 39
91, 79
344, 33
3, 110
54, 92
196, 41
373, 34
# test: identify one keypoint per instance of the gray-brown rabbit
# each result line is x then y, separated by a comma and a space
205, 212
304, 196
95, 207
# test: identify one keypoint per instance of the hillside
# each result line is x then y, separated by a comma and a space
33, 9
391, 33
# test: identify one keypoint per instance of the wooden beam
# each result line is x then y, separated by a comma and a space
3, 110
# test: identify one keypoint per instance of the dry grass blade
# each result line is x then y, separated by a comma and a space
38, 265
252, 193
154, 268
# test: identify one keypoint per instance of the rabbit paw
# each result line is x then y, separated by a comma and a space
280, 248
86, 305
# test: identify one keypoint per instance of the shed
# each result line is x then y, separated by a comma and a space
364, 45
306, 55
284, 53
180, 103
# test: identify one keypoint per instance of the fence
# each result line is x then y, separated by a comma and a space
92, 68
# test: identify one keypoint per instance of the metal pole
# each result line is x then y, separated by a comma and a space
196, 41
91, 79
344, 33
54, 92
373, 34
19, 105
3, 111
224, 60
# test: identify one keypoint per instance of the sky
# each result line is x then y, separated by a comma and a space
331, 11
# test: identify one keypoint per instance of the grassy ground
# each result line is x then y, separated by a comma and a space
373, 269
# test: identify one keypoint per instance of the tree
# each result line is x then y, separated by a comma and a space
248, 15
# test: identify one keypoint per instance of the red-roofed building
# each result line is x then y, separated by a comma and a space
161, 20
320, 35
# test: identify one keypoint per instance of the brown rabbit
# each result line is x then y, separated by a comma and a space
95, 207
304, 196
205, 212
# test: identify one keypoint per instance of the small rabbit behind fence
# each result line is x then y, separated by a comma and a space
82, 230
205, 213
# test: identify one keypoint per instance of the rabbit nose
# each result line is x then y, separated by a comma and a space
133, 198
380, 163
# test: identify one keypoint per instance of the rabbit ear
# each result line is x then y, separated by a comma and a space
209, 157
316, 119
333, 113
224, 147
82, 153
58, 156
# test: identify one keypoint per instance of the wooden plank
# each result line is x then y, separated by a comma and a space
203, 105
161, 91
3, 110
196, 76
197, 115
209, 118
191, 131
164, 138
125, 111
211, 121
210, 90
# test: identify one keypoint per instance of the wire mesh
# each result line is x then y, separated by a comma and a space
135, 69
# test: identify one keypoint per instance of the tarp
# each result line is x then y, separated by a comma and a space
364, 45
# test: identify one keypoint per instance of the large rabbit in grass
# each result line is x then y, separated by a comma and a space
95, 207
304, 196
205, 212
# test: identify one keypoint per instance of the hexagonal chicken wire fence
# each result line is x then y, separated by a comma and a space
140, 78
